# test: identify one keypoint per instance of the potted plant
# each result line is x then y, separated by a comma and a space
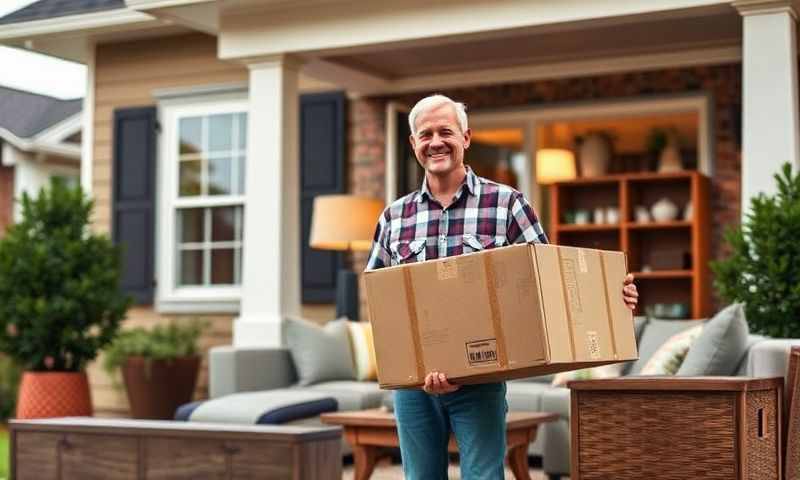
159, 366
763, 267
61, 300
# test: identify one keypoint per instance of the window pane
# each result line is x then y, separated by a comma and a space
191, 268
222, 266
242, 117
220, 132
190, 178
190, 225
219, 176
191, 135
240, 181
223, 221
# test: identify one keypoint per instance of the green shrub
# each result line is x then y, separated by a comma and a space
763, 269
162, 342
59, 283
10, 374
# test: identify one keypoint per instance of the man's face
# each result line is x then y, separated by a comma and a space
439, 143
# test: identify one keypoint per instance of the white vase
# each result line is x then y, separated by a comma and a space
642, 214
594, 155
664, 210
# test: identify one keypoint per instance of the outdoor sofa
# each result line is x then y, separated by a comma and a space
243, 380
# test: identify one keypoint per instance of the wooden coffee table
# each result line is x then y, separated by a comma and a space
369, 431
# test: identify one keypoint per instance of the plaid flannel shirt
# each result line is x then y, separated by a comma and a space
483, 215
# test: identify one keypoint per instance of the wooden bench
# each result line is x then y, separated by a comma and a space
113, 449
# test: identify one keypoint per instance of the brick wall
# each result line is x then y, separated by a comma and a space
367, 146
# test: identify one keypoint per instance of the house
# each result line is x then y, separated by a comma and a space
40, 138
209, 126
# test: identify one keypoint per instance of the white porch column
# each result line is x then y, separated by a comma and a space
769, 94
271, 259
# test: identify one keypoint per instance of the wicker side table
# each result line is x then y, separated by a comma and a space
671, 428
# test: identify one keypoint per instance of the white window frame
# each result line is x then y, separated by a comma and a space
171, 298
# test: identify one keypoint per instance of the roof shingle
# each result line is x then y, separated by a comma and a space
44, 9
25, 114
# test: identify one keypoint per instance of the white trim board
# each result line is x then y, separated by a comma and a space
528, 118
549, 71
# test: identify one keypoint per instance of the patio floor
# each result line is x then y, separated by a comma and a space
389, 471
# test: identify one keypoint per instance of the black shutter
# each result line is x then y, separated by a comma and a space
322, 171
133, 196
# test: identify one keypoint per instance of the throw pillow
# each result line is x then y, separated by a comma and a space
363, 350
668, 358
721, 347
320, 353
655, 334
603, 371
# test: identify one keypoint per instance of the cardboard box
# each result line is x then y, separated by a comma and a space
510, 312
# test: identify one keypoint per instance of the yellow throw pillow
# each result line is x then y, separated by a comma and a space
603, 371
669, 356
363, 350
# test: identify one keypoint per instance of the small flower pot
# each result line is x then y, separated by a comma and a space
54, 394
156, 388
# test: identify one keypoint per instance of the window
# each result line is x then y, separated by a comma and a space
202, 176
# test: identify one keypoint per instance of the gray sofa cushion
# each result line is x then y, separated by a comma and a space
269, 406
320, 353
351, 395
720, 347
556, 400
525, 396
655, 334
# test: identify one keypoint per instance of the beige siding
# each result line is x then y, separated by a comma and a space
126, 74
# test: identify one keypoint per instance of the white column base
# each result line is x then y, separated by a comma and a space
257, 332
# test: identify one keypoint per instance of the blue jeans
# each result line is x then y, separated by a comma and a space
474, 413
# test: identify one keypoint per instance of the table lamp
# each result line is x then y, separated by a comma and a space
344, 223
554, 165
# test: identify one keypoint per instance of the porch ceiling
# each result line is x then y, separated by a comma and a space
724, 28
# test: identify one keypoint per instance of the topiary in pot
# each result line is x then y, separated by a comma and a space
763, 268
61, 300
159, 366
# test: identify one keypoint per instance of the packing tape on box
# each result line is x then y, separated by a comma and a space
412, 315
567, 302
494, 306
608, 306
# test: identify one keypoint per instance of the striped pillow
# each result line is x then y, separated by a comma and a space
363, 350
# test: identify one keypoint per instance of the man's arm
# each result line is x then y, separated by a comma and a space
523, 224
379, 256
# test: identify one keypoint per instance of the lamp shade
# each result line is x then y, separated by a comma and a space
554, 165
344, 222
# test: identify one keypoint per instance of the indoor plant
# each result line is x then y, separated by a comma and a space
61, 300
763, 268
159, 366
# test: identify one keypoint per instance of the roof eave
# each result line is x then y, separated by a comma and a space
36, 35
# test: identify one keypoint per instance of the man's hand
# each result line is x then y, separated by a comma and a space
436, 383
629, 292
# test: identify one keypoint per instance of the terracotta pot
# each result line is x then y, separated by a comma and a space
54, 394
156, 388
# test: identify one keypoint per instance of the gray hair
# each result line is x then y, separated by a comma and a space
432, 101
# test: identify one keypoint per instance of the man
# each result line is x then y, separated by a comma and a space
454, 212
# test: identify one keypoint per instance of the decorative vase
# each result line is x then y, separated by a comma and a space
670, 158
664, 210
594, 155
156, 388
54, 394
642, 214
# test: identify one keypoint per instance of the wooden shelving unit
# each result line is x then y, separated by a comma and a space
668, 259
